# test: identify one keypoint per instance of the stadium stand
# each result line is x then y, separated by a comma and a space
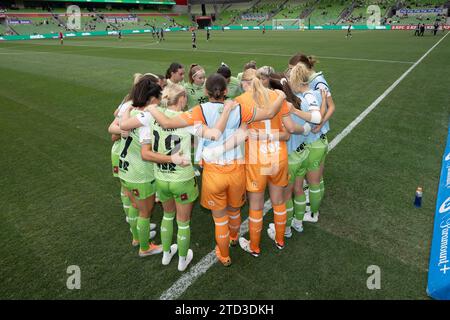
100, 16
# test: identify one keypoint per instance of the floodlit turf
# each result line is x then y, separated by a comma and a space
60, 205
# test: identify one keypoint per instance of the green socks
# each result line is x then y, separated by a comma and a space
289, 212
314, 197
133, 215
126, 202
183, 237
300, 206
143, 227
167, 230
322, 188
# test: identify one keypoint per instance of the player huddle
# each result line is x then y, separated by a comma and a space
262, 130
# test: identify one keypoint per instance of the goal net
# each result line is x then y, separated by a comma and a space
287, 24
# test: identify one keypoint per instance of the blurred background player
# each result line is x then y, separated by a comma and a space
349, 31
436, 28
422, 29
194, 40
61, 38
208, 34
417, 30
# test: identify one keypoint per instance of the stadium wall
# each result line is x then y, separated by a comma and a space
216, 28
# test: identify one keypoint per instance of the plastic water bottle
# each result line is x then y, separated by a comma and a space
418, 199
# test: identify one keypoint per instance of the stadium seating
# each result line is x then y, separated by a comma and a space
327, 12
245, 13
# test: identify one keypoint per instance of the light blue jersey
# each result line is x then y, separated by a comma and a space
310, 103
317, 82
296, 139
211, 113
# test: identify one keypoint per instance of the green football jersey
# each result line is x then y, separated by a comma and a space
196, 95
121, 109
116, 147
170, 141
234, 88
132, 168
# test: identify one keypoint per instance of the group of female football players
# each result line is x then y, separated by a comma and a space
263, 130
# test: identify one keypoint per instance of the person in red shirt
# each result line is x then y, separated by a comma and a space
61, 38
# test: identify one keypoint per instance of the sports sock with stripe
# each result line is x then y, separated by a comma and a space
234, 223
167, 230
289, 212
126, 202
183, 237
314, 197
300, 206
255, 223
322, 188
143, 227
279, 218
133, 214
222, 233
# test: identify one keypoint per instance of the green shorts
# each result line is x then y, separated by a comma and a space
297, 164
325, 141
115, 164
317, 152
140, 191
182, 191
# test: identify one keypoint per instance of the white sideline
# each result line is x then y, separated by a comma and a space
144, 47
181, 285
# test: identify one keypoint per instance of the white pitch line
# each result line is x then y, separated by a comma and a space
182, 284
369, 109
143, 47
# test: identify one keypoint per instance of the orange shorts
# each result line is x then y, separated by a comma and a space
257, 176
223, 189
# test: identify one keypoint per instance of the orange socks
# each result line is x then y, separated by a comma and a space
279, 217
255, 225
234, 223
222, 235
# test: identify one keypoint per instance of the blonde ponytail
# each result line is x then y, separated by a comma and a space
260, 93
299, 76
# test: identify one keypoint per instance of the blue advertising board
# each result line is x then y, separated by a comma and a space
439, 269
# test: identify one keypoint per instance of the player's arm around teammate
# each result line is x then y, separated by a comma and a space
137, 175
177, 187
317, 81
266, 162
314, 142
115, 131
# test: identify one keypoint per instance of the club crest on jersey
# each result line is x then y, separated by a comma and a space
184, 196
136, 192
211, 203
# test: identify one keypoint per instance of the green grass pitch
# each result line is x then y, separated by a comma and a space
60, 206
